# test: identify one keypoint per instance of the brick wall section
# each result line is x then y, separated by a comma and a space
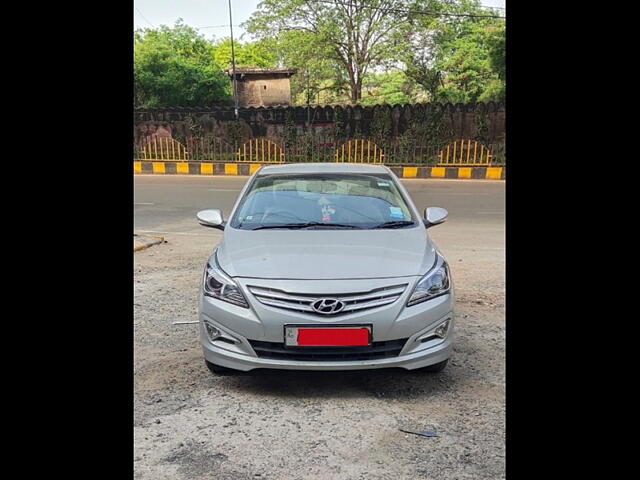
264, 91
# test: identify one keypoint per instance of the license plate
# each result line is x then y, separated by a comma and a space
342, 336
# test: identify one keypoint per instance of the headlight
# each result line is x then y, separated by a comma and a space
435, 283
218, 284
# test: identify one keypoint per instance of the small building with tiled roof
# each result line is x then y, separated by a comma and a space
263, 87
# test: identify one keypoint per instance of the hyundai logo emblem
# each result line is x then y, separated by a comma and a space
327, 306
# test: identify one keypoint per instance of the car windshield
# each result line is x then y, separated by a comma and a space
324, 201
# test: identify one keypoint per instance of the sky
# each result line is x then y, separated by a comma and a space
211, 17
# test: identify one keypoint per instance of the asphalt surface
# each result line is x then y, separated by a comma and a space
189, 424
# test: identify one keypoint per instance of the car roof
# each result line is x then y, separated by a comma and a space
323, 168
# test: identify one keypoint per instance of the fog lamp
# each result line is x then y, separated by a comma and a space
212, 331
442, 329
439, 332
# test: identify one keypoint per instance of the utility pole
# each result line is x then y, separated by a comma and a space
308, 101
233, 65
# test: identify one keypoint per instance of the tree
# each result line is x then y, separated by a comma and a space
458, 59
496, 42
469, 75
320, 78
175, 67
390, 87
248, 54
354, 35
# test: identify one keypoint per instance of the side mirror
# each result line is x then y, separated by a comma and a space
434, 216
211, 218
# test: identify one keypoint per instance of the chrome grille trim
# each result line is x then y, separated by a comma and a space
276, 303
302, 302
389, 292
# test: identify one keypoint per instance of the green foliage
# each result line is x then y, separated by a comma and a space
482, 124
381, 123
341, 49
429, 126
496, 42
392, 88
319, 78
468, 67
234, 130
459, 59
175, 67
290, 132
247, 54
193, 126
363, 52
493, 91
352, 37
307, 142
340, 125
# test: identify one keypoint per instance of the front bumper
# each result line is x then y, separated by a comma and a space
262, 323
409, 361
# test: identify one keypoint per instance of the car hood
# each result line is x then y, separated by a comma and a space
326, 254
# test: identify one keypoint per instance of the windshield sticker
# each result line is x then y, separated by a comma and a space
396, 212
383, 184
327, 211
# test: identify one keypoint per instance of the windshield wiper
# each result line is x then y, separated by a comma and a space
394, 224
305, 225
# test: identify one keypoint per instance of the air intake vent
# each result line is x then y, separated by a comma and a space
375, 351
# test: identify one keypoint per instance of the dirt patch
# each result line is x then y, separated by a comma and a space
189, 424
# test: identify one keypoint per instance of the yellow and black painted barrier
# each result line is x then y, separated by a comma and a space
245, 168
477, 173
196, 168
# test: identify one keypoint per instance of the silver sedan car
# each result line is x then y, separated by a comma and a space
325, 267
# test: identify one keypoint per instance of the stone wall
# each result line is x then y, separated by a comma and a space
430, 122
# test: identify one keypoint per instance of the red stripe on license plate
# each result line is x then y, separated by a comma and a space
333, 336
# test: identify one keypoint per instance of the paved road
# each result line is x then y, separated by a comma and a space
189, 424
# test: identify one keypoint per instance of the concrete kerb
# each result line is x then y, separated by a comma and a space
140, 242
244, 169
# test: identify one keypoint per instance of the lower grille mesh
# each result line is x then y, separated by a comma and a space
375, 351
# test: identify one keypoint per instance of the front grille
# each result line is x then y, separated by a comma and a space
375, 351
302, 302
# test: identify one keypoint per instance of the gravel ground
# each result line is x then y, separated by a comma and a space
189, 424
